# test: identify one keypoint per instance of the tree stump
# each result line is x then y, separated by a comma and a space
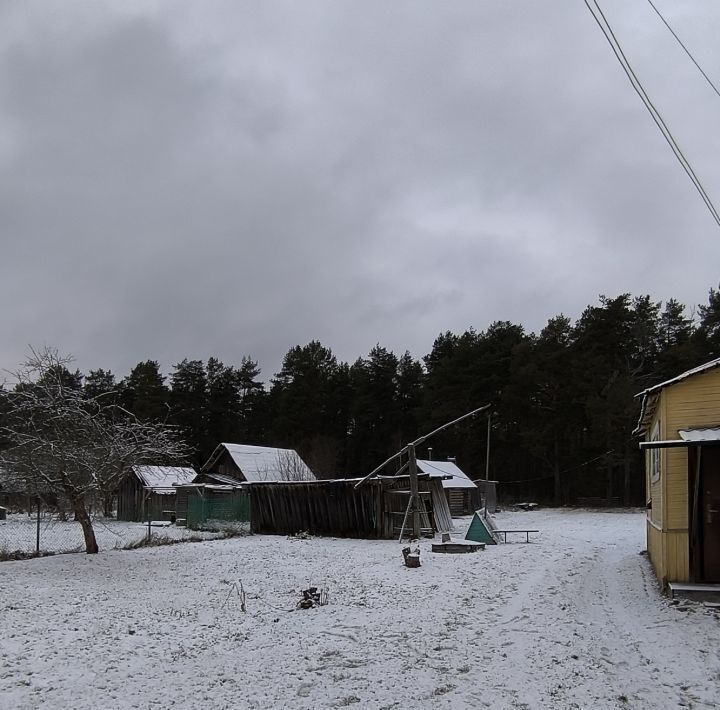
412, 557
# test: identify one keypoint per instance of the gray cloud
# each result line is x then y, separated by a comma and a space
229, 179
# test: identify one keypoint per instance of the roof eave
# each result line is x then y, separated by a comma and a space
214, 456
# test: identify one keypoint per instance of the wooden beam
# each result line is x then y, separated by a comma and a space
414, 498
695, 551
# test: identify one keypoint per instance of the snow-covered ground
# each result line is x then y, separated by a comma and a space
572, 620
19, 533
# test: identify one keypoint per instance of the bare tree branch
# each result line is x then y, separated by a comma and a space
66, 443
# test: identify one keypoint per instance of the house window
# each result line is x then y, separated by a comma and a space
655, 455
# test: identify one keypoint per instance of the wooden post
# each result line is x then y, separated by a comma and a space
695, 559
146, 504
37, 529
414, 498
487, 450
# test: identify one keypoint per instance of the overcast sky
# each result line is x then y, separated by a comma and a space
224, 178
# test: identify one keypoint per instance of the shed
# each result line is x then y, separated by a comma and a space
201, 505
337, 508
488, 494
17, 494
462, 494
331, 507
680, 424
241, 463
149, 492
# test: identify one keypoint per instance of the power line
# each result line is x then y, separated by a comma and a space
564, 471
687, 51
606, 29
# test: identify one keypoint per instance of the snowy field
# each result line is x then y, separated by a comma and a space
19, 533
572, 620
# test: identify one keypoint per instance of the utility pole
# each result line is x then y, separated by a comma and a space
487, 451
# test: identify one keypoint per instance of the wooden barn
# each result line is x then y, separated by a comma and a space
680, 422
338, 509
149, 492
333, 508
243, 463
462, 494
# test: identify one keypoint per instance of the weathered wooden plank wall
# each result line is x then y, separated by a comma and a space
133, 504
338, 509
329, 508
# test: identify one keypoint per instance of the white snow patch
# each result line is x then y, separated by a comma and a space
19, 534
572, 620
161, 478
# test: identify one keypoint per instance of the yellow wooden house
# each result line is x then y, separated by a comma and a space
680, 423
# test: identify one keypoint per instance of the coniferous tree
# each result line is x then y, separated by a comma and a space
101, 383
253, 409
410, 377
300, 398
224, 410
374, 408
189, 405
144, 394
708, 330
540, 397
677, 348
563, 401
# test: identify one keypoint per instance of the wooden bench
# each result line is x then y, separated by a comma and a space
504, 533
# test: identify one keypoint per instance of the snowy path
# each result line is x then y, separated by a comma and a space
573, 620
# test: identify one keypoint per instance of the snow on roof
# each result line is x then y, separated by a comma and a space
161, 478
688, 373
223, 479
436, 469
651, 394
700, 435
263, 463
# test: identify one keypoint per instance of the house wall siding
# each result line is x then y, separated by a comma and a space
692, 403
656, 553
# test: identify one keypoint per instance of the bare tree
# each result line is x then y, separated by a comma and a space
291, 467
76, 446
